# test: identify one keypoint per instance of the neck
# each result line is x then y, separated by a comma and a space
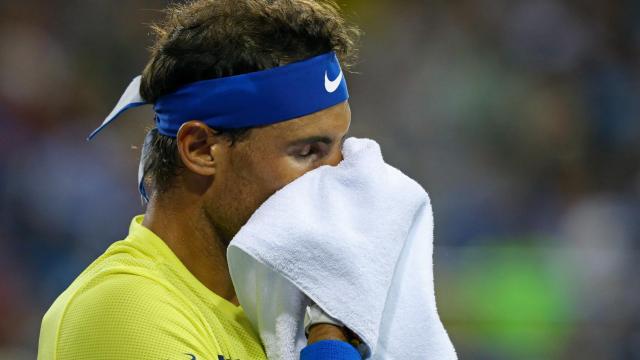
182, 224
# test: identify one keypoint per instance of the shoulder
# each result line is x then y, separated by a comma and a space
125, 315
120, 296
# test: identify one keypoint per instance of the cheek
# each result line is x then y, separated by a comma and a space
273, 173
256, 175
234, 201
250, 180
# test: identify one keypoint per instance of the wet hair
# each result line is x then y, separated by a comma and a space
207, 39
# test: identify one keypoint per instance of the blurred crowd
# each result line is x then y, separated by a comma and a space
520, 118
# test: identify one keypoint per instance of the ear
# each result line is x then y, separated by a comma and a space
198, 145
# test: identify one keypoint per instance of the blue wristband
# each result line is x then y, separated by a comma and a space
330, 350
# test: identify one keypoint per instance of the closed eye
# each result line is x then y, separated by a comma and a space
313, 146
309, 150
306, 151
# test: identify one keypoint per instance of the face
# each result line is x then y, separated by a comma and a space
268, 158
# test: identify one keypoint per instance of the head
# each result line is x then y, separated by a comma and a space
228, 173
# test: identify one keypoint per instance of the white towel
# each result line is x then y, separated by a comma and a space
357, 239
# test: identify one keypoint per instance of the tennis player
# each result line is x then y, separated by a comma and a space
248, 95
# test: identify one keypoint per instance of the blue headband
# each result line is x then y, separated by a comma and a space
247, 100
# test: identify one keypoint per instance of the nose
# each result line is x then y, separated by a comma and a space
334, 158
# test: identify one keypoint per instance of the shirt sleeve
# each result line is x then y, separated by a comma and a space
330, 350
129, 317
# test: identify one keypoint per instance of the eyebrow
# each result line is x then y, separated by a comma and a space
313, 139
318, 138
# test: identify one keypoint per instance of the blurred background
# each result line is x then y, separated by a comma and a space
521, 119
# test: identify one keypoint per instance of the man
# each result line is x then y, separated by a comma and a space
165, 292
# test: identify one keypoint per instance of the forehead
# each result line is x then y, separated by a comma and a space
334, 120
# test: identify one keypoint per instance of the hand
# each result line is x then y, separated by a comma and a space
326, 332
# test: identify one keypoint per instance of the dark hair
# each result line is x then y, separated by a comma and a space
207, 39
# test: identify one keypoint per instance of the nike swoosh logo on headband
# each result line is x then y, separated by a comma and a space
330, 85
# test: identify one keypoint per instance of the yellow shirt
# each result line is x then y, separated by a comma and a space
138, 301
